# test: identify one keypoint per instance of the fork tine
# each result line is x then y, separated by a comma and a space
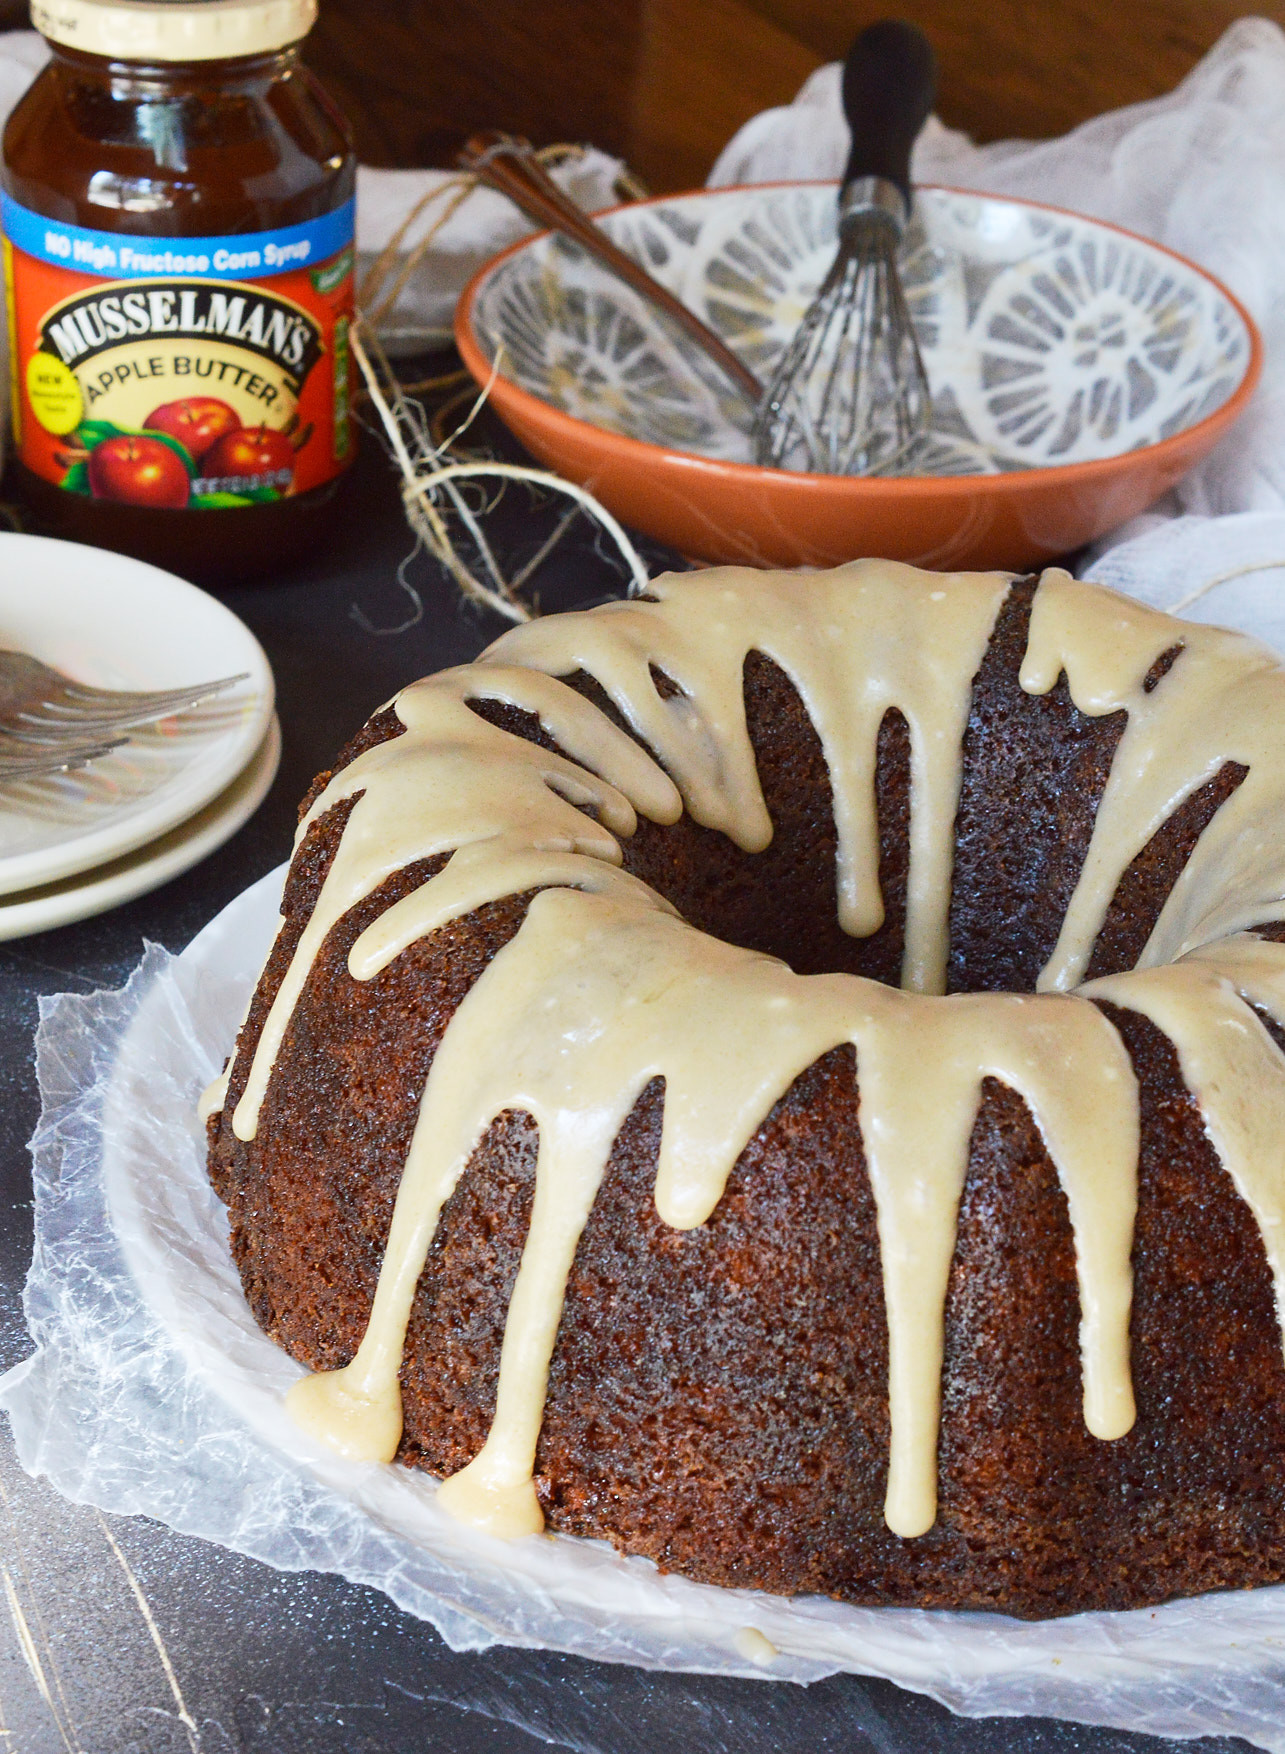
47, 710
108, 707
54, 762
21, 749
56, 716
84, 691
57, 713
52, 719
35, 734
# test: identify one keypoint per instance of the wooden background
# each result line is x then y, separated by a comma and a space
665, 82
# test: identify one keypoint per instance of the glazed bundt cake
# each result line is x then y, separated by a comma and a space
785, 1075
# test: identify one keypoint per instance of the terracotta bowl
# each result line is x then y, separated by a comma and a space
1077, 372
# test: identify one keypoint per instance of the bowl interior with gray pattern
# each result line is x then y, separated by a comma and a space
1048, 338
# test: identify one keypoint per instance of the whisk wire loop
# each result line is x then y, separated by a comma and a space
850, 395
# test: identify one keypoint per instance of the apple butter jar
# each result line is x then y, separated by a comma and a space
177, 205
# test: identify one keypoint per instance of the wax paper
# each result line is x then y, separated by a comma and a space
151, 1390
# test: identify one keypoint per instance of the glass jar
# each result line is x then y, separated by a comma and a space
177, 202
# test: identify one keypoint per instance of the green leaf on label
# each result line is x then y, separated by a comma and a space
76, 480
252, 496
327, 277
179, 449
93, 432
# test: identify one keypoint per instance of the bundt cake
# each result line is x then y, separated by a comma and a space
785, 1075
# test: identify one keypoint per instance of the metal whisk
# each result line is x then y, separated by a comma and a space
850, 396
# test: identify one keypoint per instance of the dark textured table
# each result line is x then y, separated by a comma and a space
120, 1637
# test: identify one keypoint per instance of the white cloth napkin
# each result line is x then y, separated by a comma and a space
485, 224
1228, 570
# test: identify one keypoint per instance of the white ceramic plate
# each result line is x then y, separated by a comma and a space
114, 622
145, 869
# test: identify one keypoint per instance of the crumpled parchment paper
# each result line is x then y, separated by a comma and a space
151, 1390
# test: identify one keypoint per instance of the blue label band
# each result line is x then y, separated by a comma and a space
115, 255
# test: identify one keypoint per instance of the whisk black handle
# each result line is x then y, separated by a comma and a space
889, 82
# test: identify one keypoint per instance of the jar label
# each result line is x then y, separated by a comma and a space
184, 372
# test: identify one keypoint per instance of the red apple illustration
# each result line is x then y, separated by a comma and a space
250, 451
195, 421
138, 470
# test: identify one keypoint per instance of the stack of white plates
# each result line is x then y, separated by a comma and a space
75, 844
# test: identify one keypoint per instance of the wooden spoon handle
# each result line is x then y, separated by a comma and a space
511, 168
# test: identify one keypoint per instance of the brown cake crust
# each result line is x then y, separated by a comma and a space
717, 1397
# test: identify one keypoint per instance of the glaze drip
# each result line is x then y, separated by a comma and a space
637, 995
455, 784
856, 643
604, 988
1223, 700
1230, 1064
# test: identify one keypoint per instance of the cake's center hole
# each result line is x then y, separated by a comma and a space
1033, 771
784, 900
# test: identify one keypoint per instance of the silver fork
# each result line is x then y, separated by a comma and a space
35, 759
39, 705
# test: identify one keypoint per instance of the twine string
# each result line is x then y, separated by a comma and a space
432, 470
431, 475
378, 307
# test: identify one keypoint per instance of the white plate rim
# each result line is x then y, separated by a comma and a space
146, 868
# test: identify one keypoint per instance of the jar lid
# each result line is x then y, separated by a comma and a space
174, 30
